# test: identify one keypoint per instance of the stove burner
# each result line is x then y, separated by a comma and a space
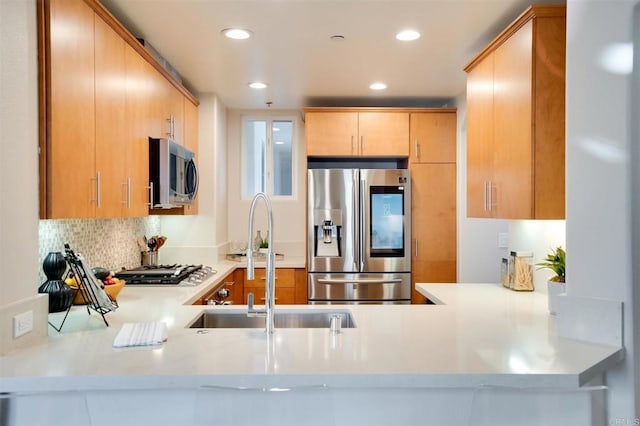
163, 274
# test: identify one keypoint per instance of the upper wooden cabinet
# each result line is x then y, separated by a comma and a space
351, 132
69, 151
433, 136
516, 120
101, 96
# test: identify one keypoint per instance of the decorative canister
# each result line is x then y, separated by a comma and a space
60, 294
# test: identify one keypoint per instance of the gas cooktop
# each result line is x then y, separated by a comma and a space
166, 274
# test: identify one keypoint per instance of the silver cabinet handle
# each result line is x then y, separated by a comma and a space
98, 199
417, 150
491, 203
127, 189
172, 127
485, 196
416, 244
150, 188
353, 147
361, 144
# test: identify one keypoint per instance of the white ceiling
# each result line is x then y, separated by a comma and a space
292, 51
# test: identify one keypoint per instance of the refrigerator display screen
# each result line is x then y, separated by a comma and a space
387, 221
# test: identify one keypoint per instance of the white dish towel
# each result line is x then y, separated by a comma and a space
151, 333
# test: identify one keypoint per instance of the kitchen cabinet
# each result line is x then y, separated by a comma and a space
138, 112
69, 151
354, 132
101, 96
433, 136
516, 120
433, 224
233, 283
112, 150
291, 286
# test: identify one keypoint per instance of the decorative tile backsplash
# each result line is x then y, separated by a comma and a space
110, 243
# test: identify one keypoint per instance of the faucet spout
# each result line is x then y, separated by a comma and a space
271, 262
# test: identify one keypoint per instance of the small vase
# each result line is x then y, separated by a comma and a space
257, 242
554, 289
60, 294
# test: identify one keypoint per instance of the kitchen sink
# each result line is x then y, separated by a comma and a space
282, 319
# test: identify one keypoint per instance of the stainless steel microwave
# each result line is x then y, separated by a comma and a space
173, 175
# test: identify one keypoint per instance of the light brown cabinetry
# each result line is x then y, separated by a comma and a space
516, 119
69, 151
102, 95
139, 123
111, 143
433, 136
291, 286
348, 132
433, 198
233, 283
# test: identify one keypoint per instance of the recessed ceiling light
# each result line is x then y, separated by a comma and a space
378, 86
257, 85
236, 33
408, 35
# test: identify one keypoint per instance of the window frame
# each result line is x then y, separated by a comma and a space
269, 179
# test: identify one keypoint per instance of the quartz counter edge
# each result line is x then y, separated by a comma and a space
480, 336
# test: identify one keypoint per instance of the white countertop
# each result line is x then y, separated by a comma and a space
481, 334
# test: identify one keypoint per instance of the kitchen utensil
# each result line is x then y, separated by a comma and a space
161, 240
151, 243
142, 243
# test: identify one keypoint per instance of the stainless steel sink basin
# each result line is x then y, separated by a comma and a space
299, 319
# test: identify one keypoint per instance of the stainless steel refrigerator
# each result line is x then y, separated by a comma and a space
359, 236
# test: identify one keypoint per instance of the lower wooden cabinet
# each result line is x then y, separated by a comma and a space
433, 218
232, 282
291, 286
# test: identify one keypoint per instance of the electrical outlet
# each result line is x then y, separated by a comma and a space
22, 323
503, 240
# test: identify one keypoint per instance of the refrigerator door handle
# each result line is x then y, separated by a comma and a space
362, 221
358, 281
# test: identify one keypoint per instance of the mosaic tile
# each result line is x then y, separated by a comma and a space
110, 243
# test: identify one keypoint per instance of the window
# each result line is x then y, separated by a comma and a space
268, 157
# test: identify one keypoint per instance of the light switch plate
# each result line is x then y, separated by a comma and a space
503, 240
22, 323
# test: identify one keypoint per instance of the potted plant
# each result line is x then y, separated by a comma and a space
556, 285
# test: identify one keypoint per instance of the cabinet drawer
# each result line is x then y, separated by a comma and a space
284, 296
285, 278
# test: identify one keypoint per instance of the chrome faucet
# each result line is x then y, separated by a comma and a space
271, 265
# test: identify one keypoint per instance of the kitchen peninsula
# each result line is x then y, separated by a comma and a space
449, 362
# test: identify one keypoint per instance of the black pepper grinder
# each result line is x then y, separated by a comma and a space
60, 294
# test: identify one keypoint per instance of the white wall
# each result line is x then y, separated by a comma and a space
200, 238
599, 122
19, 279
288, 215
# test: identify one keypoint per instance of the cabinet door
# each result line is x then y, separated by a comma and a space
284, 296
112, 148
70, 152
170, 109
480, 138
433, 224
191, 141
383, 134
513, 150
331, 133
138, 111
433, 137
